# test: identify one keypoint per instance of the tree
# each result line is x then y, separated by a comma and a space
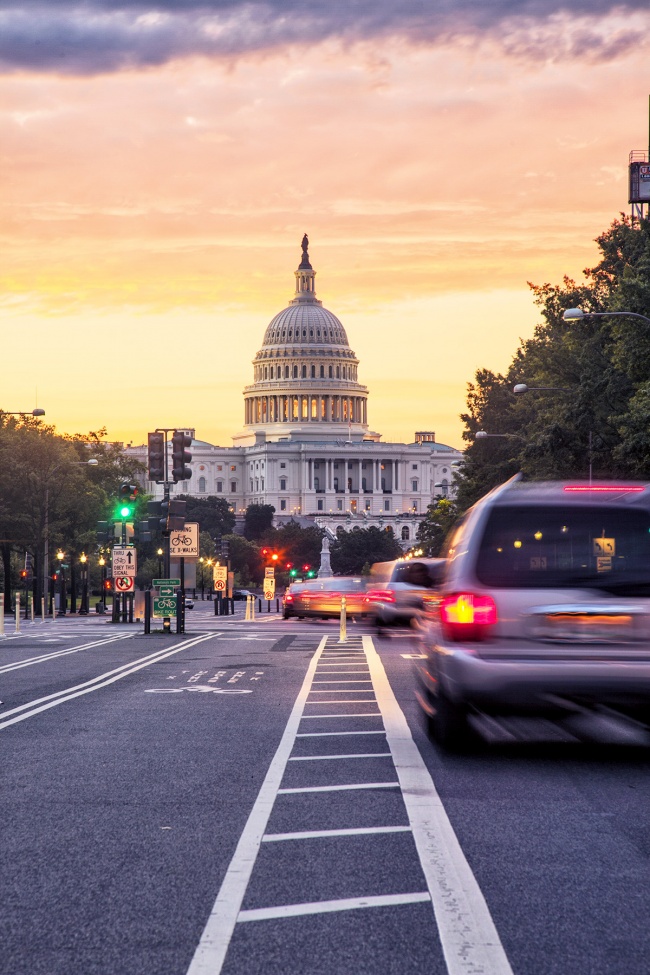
212, 513
258, 521
598, 427
434, 528
352, 550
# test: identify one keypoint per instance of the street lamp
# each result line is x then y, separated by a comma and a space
62, 594
36, 412
577, 314
83, 609
482, 435
523, 388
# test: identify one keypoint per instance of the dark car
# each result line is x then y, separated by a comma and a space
400, 591
241, 593
544, 608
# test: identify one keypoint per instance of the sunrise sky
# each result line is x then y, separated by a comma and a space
161, 161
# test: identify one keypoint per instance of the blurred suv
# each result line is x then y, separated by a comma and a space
544, 607
399, 592
323, 598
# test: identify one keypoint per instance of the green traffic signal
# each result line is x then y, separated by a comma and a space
125, 511
293, 573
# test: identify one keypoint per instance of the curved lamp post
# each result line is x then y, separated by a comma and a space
577, 314
482, 435
36, 412
523, 388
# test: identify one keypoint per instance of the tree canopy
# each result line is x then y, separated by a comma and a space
594, 420
354, 549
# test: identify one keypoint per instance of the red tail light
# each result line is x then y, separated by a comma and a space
467, 616
288, 599
380, 596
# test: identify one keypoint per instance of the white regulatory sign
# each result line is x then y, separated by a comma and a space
125, 561
269, 588
185, 542
220, 577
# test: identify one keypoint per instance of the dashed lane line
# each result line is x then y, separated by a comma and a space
318, 834
339, 788
326, 758
326, 907
469, 938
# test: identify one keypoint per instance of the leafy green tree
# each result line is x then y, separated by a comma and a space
258, 521
245, 560
212, 513
353, 549
438, 521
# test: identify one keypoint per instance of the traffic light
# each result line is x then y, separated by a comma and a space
225, 548
107, 585
275, 557
172, 515
293, 573
265, 552
154, 515
126, 501
23, 575
156, 456
181, 456
142, 533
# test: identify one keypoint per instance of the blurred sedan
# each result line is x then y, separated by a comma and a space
323, 598
401, 591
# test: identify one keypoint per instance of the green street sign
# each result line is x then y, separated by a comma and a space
165, 582
164, 606
166, 591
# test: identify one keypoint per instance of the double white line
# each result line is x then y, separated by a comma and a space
44, 657
24, 711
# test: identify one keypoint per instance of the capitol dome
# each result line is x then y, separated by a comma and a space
305, 374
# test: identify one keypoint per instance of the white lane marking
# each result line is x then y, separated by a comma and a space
322, 673
369, 714
330, 734
211, 950
339, 788
30, 661
103, 680
363, 700
341, 682
325, 907
341, 690
317, 834
324, 758
469, 938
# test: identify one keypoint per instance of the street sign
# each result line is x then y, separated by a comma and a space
220, 577
165, 582
125, 560
164, 606
269, 572
166, 591
185, 542
269, 588
124, 583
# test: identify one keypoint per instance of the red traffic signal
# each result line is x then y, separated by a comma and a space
23, 573
265, 551
275, 557
289, 565
306, 568
108, 585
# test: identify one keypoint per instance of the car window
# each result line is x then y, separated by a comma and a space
550, 546
414, 574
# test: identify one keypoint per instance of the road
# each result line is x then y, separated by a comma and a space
257, 797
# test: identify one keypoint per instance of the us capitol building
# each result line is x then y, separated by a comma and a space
306, 448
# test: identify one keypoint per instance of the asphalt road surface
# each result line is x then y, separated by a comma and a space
258, 797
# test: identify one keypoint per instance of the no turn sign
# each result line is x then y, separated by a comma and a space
124, 583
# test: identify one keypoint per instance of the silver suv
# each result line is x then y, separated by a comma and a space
544, 607
399, 591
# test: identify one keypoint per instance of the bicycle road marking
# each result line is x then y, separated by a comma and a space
38, 705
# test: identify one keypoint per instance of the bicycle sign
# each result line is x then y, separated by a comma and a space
164, 606
185, 542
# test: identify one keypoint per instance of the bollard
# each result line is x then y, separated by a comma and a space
2, 617
42, 609
17, 607
343, 626
32, 609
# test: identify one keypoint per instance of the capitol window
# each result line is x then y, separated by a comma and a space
219, 487
322, 372
320, 505
283, 484
286, 372
233, 467
313, 372
304, 372
330, 372
201, 485
233, 487
283, 505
